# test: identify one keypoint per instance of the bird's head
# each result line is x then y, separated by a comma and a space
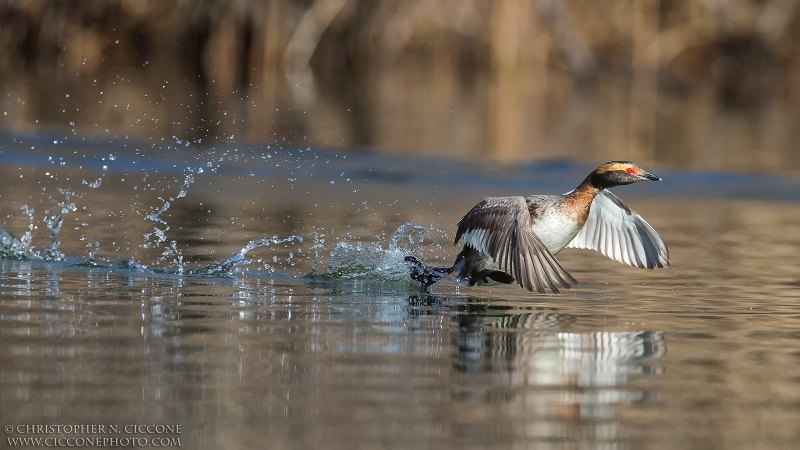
617, 173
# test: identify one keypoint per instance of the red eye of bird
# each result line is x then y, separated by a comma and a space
629, 170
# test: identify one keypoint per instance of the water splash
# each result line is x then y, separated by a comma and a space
363, 262
12, 248
132, 264
52, 253
26, 241
158, 237
326, 256
177, 256
317, 248
229, 266
409, 238
93, 184
22, 248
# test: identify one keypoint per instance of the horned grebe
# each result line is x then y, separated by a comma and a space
509, 239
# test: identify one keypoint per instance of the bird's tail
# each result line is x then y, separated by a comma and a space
423, 274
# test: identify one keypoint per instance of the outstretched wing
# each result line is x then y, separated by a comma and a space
501, 228
620, 233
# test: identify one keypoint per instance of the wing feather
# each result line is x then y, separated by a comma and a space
622, 234
626, 248
603, 235
615, 244
639, 255
502, 228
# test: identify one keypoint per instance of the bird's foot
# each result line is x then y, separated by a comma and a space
423, 274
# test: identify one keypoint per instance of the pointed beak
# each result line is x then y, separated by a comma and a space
650, 176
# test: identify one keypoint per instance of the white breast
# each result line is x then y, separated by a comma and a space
556, 230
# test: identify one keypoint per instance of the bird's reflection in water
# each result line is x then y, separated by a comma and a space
566, 383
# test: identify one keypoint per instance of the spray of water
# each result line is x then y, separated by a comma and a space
26, 241
228, 266
12, 248
364, 262
22, 248
54, 222
345, 261
158, 238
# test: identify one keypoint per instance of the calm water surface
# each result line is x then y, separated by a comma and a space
704, 354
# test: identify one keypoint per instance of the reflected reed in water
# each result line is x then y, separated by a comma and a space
685, 84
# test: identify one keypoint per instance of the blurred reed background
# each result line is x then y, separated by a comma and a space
711, 84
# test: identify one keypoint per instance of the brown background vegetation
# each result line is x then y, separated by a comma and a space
699, 83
